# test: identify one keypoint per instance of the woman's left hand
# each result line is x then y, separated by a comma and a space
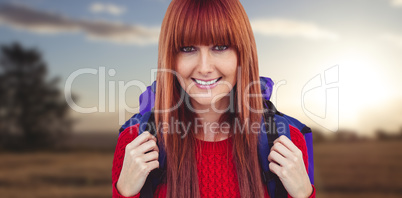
289, 166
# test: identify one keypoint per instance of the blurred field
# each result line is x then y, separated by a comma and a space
358, 169
64, 175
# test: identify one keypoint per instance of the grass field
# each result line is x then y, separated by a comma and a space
360, 169
64, 175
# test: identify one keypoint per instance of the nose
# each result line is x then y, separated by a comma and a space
205, 63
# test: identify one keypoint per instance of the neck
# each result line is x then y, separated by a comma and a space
208, 117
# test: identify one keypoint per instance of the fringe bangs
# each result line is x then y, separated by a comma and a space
203, 23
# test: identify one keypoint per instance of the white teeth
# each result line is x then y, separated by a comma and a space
206, 82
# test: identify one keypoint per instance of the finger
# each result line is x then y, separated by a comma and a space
277, 158
150, 145
144, 137
148, 167
287, 143
153, 164
281, 149
150, 156
150, 135
275, 168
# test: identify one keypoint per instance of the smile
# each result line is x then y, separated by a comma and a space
206, 83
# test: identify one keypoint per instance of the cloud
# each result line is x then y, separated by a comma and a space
396, 3
107, 8
29, 19
392, 38
291, 28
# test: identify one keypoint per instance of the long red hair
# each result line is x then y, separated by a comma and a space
192, 22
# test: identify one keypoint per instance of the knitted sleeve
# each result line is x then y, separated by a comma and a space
298, 140
125, 137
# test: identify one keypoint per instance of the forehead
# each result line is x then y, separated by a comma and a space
203, 24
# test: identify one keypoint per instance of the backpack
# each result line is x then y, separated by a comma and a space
269, 132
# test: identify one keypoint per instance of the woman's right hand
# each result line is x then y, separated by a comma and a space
141, 157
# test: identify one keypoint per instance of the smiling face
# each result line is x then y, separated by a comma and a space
207, 74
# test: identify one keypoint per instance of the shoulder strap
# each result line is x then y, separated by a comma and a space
155, 177
282, 124
135, 119
273, 125
308, 137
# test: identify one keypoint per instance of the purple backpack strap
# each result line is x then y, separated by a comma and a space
266, 90
147, 102
147, 99
308, 137
309, 141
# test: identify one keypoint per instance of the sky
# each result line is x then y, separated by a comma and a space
335, 64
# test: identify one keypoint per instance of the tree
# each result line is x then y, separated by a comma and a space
33, 113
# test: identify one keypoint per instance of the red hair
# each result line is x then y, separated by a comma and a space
193, 22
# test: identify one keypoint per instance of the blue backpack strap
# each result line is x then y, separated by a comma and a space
309, 141
273, 126
147, 98
147, 102
147, 123
135, 119
266, 87
144, 125
308, 137
282, 126
145, 119
155, 177
264, 147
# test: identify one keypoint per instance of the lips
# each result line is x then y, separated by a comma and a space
206, 82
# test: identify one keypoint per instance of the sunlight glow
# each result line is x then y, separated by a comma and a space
362, 86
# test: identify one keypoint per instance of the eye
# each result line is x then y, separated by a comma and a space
187, 49
220, 47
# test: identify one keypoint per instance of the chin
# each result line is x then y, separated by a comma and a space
208, 102
203, 101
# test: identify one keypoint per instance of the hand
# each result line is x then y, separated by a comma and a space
137, 164
287, 162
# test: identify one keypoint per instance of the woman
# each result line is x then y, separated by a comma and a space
208, 67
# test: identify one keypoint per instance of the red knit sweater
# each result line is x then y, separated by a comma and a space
217, 178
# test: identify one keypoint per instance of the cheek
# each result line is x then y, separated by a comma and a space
230, 69
183, 73
182, 70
